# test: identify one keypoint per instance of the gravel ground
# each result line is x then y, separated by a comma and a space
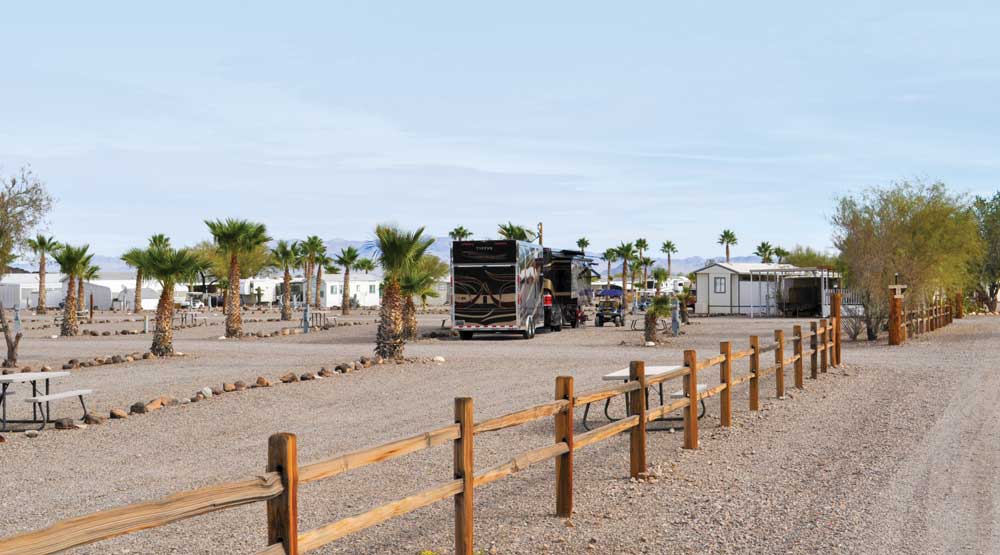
893, 453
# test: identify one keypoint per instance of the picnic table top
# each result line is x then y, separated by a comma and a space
622, 375
31, 376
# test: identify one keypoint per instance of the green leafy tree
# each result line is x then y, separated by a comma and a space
582, 243
780, 254
234, 238
986, 269
610, 256
727, 239
42, 246
807, 257
418, 281
660, 276
923, 233
396, 252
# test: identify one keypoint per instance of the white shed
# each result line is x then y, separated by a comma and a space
764, 289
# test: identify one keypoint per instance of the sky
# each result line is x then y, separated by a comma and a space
606, 120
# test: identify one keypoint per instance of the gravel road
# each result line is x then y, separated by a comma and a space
895, 452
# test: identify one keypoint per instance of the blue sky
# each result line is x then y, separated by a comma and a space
610, 120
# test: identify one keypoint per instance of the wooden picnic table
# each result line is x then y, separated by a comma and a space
651, 372
7, 380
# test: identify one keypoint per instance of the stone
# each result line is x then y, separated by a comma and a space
27, 369
129, 359
137, 408
365, 361
3, 440
31, 434
326, 373
228, 387
65, 424
155, 404
206, 392
106, 333
217, 390
93, 419
439, 358
308, 376
289, 378
147, 355
344, 368
118, 414
285, 331
74, 361
262, 382
185, 401
240, 385
87, 364
117, 359
168, 401
9, 371
649, 344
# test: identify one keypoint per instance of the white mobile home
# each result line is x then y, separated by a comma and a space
23, 288
764, 289
365, 289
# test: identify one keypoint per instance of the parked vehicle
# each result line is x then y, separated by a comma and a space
496, 287
609, 308
566, 287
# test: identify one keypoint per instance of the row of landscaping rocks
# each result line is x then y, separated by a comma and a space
76, 364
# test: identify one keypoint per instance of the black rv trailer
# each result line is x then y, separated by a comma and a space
566, 287
496, 287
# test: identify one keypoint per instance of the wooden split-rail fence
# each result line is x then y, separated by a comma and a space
278, 486
912, 323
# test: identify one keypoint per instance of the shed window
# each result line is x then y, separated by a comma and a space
371, 289
720, 285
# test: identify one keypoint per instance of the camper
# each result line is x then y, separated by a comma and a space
566, 287
496, 287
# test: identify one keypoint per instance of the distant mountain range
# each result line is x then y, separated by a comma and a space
441, 248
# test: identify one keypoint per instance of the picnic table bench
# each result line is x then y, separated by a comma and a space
651, 372
40, 402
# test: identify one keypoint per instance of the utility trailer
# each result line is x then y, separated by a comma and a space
566, 287
496, 287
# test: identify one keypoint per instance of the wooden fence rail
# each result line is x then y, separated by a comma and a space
278, 486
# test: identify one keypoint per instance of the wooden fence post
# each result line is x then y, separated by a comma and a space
835, 309
959, 306
754, 368
637, 406
779, 363
282, 511
564, 462
797, 353
822, 342
895, 319
726, 377
814, 353
464, 471
691, 410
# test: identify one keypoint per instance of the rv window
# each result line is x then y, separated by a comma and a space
720, 285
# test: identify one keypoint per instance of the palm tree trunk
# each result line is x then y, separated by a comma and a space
609, 275
286, 299
137, 308
345, 299
305, 283
69, 325
624, 283
670, 266
389, 340
409, 318
319, 283
41, 309
79, 294
649, 332
234, 320
727, 253
163, 336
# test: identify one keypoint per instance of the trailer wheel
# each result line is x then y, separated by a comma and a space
465, 335
530, 331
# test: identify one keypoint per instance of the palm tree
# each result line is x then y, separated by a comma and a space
659, 308
235, 237
780, 253
396, 251
419, 280
646, 263
727, 238
309, 250
660, 276
322, 261
641, 245
159, 241
285, 256
169, 266
669, 248
80, 277
41, 246
348, 260
71, 261
609, 256
627, 253
765, 251
582, 243
457, 234
90, 274
516, 232
134, 258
